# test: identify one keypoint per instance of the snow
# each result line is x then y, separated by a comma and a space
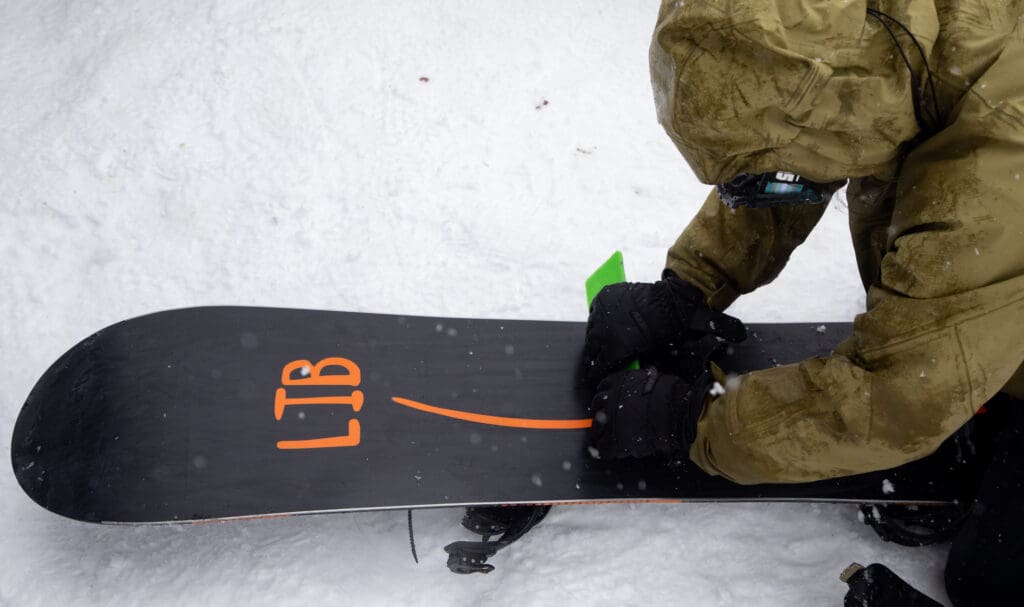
449, 158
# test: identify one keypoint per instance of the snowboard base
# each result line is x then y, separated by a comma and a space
232, 412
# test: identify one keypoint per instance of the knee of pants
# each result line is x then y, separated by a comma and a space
987, 556
982, 586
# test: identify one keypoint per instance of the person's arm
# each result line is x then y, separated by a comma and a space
727, 252
943, 332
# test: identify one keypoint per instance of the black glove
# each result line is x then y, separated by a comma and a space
631, 320
643, 413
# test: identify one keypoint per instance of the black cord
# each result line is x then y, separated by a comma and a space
914, 80
924, 59
412, 539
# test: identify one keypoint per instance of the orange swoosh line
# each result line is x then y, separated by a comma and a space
494, 420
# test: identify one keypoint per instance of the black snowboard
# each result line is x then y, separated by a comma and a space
212, 413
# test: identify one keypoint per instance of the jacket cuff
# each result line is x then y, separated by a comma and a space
718, 293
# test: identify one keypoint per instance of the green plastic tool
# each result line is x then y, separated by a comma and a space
611, 272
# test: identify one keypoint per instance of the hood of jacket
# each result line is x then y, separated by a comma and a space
815, 87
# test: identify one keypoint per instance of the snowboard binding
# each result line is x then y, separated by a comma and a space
914, 526
966, 451
878, 586
512, 522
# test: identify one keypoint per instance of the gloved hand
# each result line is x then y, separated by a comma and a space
632, 320
643, 413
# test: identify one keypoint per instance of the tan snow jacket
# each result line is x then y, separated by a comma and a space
818, 87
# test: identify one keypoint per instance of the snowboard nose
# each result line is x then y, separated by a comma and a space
53, 440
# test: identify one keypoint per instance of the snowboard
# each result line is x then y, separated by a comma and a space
230, 412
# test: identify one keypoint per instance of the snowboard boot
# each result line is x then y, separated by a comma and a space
877, 586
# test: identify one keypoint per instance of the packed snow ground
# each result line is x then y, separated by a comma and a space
449, 158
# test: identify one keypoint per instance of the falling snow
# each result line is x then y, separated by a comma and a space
373, 157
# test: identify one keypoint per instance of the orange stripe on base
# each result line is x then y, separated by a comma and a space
494, 420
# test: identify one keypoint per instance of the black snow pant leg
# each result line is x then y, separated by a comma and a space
986, 561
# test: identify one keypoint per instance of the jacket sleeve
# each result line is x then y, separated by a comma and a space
942, 333
727, 252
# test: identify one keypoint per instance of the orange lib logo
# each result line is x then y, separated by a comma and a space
343, 373
340, 372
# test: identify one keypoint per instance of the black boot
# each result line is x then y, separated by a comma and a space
877, 586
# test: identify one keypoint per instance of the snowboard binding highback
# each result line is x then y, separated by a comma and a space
512, 522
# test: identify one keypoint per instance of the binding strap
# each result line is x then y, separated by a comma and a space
512, 522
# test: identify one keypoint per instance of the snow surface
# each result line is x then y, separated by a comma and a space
448, 158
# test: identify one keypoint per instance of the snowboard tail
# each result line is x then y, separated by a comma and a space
228, 412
